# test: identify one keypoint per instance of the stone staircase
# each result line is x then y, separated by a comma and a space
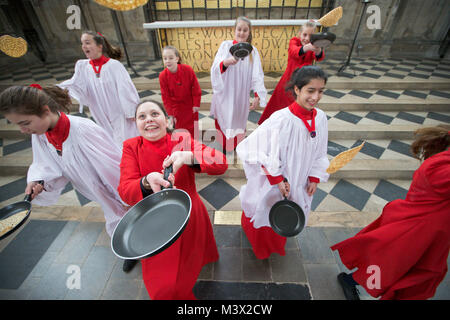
384, 111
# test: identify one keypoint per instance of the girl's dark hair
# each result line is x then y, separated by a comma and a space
175, 50
430, 141
302, 76
160, 105
30, 100
108, 49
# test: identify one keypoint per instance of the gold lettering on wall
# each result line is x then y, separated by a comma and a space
198, 46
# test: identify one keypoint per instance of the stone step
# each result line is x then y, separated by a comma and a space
335, 131
18, 163
334, 82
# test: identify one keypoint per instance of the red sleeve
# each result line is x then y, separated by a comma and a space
130, 177
196, 90
222, 68
165, 93
294, 48
314, 179
272, 180
322, 56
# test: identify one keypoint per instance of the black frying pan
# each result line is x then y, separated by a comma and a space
287, 218
153, 224
15, 208
241, 50
322, 39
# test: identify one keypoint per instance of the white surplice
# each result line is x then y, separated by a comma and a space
112, 98
283, 145
231, 90
90, 161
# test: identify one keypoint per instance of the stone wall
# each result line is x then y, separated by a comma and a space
409, 28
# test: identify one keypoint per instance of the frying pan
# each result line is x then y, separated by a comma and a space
153, 224
14, 208
241, 50
286, 218
322, 39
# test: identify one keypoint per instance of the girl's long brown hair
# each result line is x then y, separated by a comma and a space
30, 100
111, 51
430, 141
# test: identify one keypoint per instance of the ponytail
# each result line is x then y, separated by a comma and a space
31, 100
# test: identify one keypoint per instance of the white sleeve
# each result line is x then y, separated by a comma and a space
321, 162
262, 148
45, 168
128, 95
258, 78
216, 76
76, 85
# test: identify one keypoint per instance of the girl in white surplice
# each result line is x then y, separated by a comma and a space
292, 145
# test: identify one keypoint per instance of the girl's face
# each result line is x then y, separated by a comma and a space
90, 48
305, 34
170, 60
310, 94
242, 31
151, 121
30, 123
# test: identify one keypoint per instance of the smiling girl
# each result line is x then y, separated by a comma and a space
292, 145
180, 91
301, 53
232, 80
102, 83
65, 149
172, 273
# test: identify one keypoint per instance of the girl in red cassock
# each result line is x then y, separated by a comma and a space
403, 254
300, 53
180, 91
172, 273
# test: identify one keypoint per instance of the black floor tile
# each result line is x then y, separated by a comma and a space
350, 194
373, 115
439, 117
400, 147
418, 75
440, 94
17, 146
394, 75
415, 94
220, 290
21, 255
370, 149
254, 116
82, 199
318, 197
370, 75
441, 75
13, 189
388, 94
334, 148
389, 191
146, 93
152, 76
402, 69
410, 117
345, 116
218, 193
361, 94
333, 93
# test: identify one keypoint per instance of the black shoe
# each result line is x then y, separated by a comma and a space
128, 265
350, 291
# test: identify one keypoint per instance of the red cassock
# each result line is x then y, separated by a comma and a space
280, 98
410, 241
172, 273
180, 93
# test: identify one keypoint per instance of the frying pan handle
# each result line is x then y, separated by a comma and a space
28, 196
167, 172
285, 180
